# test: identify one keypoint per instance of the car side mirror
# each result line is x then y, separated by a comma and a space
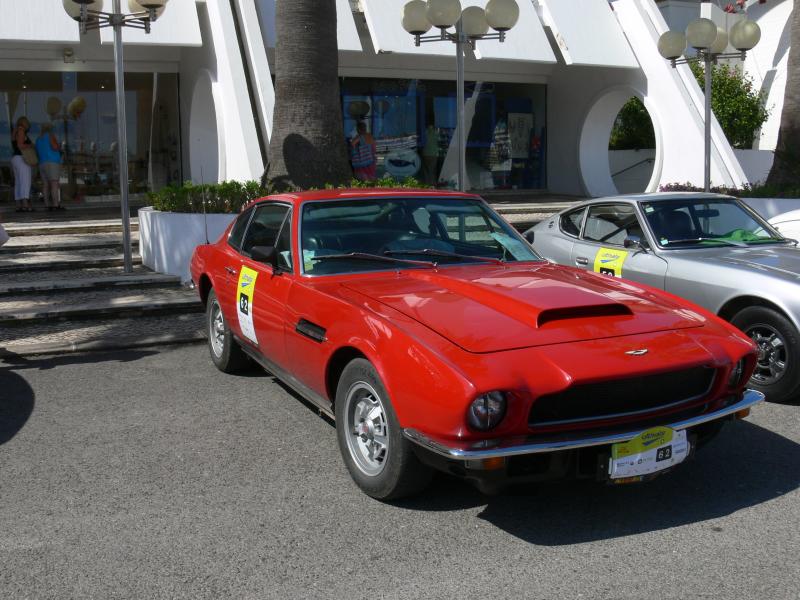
528, 235
266, 255
634, 242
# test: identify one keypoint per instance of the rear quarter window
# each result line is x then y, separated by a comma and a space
571, 222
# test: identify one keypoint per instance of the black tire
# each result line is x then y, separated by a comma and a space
226, 354
395, 472
760, 322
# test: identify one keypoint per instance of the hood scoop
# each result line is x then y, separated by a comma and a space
552, 315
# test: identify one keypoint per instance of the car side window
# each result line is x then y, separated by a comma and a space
238, 229
264, 226
284, 244
611, 224
571, 222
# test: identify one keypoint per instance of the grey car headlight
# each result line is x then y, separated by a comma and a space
487, 410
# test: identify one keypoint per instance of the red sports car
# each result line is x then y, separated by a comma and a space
437, 339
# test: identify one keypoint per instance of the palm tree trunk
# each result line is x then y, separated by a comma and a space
785, 169
307, 148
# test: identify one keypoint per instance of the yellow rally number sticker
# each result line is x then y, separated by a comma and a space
244, 294
652, 438
609, 261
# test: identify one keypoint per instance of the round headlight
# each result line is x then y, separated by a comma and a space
487, 410
735, 378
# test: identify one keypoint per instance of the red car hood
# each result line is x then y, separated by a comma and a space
490, 309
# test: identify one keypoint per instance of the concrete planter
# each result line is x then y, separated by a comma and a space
167, 240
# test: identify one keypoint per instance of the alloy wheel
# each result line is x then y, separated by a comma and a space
216, 329
367, 428
772, 354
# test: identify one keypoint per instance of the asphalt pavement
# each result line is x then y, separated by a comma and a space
149, 474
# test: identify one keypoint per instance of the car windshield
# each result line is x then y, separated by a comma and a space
701, 223
408, 232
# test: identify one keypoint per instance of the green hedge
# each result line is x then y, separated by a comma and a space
231, 196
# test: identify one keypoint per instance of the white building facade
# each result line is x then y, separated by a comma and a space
540, 107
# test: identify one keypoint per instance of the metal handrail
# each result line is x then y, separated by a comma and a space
641, 162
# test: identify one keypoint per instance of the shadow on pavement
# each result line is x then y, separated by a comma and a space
16, 362
16, 404
745, 466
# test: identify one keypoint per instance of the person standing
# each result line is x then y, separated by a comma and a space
22, 148
49, 155
364, 154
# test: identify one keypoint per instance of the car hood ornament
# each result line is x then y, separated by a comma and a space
640, 352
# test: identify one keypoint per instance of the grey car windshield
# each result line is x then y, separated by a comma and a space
372, 234
704, 223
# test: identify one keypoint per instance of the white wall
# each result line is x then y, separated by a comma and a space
219, 58
767, 63
636, 167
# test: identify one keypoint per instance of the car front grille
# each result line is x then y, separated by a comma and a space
622, 398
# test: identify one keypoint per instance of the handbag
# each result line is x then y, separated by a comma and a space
4, 237
30, 157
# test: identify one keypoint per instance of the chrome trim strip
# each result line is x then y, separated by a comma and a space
514, 448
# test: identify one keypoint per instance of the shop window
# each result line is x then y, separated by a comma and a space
82, 110
413, 124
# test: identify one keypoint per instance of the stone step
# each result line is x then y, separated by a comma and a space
61, 337
72, 273
64, 227
65, 242
54, 261
21, 309
113, 281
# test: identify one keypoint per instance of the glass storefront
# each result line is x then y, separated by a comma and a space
82, 109
414, 125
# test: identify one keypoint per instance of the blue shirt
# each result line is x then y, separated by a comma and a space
45, 150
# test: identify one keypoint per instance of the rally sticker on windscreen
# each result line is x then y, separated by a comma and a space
609, 261
244, 291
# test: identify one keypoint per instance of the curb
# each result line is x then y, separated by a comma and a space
97, 345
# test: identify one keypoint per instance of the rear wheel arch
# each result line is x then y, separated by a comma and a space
204, 286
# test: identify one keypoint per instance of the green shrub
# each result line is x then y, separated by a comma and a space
633, 128
747, 191
738, 107
231, 196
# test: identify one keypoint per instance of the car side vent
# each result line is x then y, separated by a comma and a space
582, 312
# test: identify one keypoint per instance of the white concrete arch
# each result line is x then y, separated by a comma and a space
206, 150
595, 133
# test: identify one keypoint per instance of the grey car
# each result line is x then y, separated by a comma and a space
708, 248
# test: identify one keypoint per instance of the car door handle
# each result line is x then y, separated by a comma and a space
231, 270
581, 260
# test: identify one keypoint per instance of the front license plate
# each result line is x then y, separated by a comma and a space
651, 451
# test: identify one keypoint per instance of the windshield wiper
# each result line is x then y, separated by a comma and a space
697, 240
374, 257
444, 253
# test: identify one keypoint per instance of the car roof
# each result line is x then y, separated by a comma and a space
661, 196
297, 198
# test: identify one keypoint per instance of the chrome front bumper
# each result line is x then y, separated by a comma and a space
525, 445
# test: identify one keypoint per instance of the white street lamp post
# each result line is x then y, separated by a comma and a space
90, 15
709, 42
471, 24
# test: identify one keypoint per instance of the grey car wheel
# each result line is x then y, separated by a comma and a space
777, 371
